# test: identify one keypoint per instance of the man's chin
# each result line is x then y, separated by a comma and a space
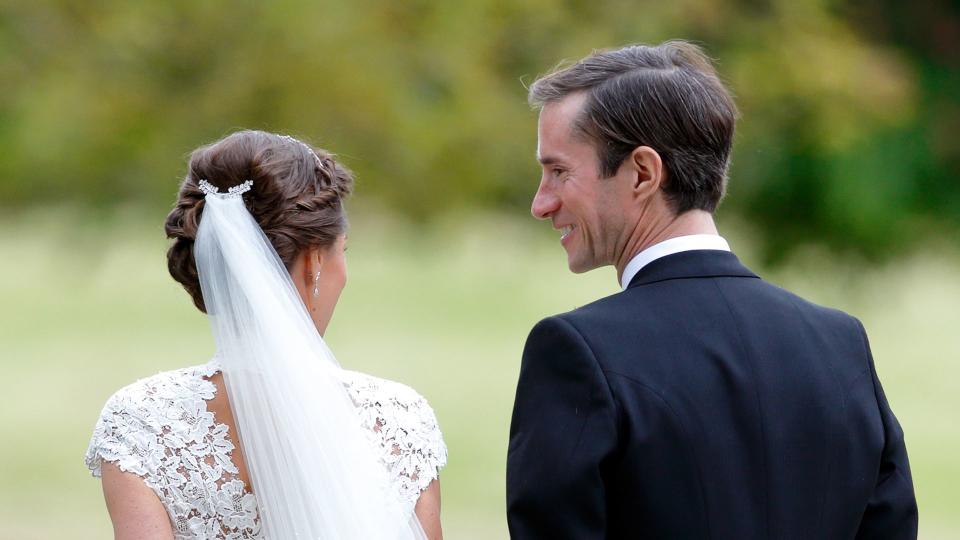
580, 267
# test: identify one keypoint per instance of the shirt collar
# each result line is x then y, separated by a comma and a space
669, 247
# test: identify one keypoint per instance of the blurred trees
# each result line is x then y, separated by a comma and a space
850, 111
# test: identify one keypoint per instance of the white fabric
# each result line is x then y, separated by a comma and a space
677, 244
160, 429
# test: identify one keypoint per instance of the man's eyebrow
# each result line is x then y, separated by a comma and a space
547, 160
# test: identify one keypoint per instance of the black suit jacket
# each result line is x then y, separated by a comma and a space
704, 403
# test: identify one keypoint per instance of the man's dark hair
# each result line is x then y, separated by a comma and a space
667, 97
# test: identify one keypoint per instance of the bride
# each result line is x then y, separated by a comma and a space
270, 439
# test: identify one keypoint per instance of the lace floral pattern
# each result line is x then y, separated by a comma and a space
404, 427
160, 429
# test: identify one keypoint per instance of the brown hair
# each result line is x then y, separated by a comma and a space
297, 197
667, 97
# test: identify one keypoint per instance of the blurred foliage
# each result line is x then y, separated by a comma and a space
851, 111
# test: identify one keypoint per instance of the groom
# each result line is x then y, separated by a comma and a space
700, 402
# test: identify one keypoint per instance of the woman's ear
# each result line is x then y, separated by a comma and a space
313, 263
648, 171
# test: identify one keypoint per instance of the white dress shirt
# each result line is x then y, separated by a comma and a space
669, 247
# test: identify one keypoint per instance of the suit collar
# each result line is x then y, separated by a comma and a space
677, 244
692, 264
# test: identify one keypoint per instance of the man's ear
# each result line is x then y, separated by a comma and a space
646, 170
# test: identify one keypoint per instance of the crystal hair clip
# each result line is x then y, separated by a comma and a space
234, 192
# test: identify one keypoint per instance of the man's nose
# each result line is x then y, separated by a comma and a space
545, 202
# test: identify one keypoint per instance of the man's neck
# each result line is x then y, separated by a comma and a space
646, 235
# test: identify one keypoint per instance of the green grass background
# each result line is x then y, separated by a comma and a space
88, 308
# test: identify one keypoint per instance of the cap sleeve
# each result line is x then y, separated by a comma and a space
123, 435
423, 452
405, 429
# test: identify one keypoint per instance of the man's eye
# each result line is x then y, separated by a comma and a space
558, 172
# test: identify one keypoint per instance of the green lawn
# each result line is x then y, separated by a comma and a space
88, 307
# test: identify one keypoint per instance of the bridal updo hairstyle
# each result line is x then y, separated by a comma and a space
297, 197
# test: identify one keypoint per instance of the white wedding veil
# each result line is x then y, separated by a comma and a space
314, 470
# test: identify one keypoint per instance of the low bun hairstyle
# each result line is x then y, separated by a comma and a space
297, 197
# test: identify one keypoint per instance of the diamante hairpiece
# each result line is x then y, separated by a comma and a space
316, 158
234, 192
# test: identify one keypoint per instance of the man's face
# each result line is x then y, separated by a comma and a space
581, 205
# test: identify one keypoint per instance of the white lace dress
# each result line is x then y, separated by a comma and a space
159, 428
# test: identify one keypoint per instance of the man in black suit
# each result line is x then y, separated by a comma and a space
700, 402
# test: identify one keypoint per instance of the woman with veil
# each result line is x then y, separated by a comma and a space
270, 439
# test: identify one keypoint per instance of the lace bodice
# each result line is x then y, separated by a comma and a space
159, 428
